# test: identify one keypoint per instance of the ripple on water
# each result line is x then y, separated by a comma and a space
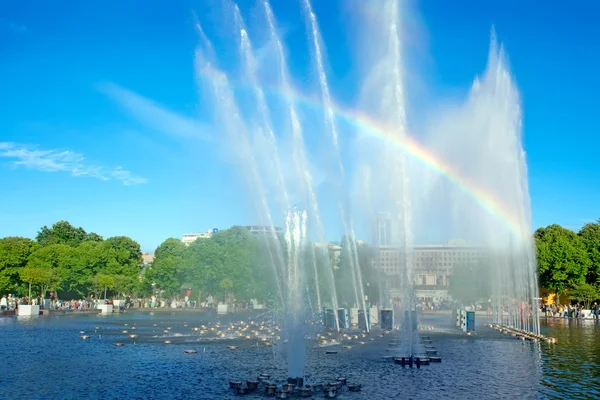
49, 348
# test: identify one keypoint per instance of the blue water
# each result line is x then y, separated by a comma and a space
44, 358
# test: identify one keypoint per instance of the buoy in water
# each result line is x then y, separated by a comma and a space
270, 389
85, 337
190, 351
168, 342
235, 384
118, 344
241, 390
133, 336
354, 387
232, 347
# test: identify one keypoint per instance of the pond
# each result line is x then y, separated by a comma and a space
45, 358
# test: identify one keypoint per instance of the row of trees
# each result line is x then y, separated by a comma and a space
231, 262
569, 262
70, 261
75, 263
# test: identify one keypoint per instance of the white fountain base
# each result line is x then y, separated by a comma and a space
105, 308
222, 309
26, 310
373, 316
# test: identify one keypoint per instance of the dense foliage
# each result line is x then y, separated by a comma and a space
233, 264
70, 262
569, 262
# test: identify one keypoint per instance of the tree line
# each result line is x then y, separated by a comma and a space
568, 261
69, 261
233, 263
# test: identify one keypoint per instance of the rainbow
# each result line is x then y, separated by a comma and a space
412, 148
418, 152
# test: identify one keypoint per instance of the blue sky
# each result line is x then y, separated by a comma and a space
102, 123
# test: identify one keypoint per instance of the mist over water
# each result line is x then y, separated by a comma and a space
272, 137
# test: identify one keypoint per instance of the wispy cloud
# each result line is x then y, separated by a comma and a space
156, 116
63, 161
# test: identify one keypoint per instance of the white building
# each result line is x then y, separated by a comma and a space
433, 266
263, 230
334, 252
191, 237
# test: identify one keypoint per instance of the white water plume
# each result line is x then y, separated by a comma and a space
343, 199
482, 197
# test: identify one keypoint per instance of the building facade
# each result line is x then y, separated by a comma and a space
333, 251
263, 230
147, 258
189, 238
433, 266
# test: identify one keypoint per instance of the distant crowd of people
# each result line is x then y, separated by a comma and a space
12, 303
570, 311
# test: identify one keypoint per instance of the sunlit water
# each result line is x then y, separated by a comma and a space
44, 358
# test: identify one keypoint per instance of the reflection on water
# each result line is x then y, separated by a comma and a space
46, 359
572, 368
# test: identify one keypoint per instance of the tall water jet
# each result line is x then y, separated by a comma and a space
295, 312
343, 200
476, 151
482, 140
299, 156
383, 100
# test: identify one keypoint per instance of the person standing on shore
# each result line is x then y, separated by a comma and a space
3, 303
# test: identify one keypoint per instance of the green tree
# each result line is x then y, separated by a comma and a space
167, 268
128, 253
562, 258
584, 292
590, 234
470, 283
226, 284
93, 237
371, 276
62, 232
203, 261
14, 253
85, 261
124, 284
37, 276
241, 261
55, 258
103, 282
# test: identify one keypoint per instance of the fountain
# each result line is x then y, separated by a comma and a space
295, 314
472, 154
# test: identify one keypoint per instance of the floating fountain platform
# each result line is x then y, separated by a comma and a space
240, 390
235, 384
270, 389
294, 387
